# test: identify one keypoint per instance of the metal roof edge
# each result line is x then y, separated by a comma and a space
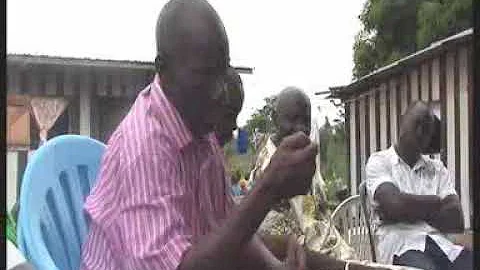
26, 59
405, 60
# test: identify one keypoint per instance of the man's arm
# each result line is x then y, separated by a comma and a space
450, 217
223, 246
315, 260
394, 205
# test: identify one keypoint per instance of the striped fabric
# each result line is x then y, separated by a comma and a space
158, 190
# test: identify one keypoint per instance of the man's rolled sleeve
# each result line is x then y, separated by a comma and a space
153, 226
377, 172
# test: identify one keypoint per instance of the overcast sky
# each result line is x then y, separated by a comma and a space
303, 43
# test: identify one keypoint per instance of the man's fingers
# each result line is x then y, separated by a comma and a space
297, 140
308, 152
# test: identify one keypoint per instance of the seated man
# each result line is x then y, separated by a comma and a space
309, 220
414, 200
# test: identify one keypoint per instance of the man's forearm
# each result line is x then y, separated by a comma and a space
421, 207
220, 248
405, 207
258, 256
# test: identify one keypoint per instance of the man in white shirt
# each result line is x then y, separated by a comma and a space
414, 200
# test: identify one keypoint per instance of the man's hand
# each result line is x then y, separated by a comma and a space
449, 219
291, 169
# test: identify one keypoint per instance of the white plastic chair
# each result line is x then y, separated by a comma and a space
349, 218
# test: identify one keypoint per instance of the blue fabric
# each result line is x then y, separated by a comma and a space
236, 190
242, 141
52, 225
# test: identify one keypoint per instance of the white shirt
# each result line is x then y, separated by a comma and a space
427, 177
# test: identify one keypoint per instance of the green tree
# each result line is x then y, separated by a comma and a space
394, 28
333, 158
262, 118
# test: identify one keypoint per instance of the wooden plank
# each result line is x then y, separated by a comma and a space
387, 104
430, 67
398, 104
358, 138
85, 105
472, 169
457, 121
347, 145
393, 111
404, 94
464, 134
450, 111
443, 107
372, 123
424, 82
363, 138
367, 126
414, 85
383, 118
353, 148
436, 79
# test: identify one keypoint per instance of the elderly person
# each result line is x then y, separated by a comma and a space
304, 216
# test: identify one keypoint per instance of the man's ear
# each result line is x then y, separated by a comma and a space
159, 64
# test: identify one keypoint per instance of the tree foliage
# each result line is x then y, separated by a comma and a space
262, 118
394, 28
333, 159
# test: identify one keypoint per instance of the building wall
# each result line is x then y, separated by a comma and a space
85, 89
374, 116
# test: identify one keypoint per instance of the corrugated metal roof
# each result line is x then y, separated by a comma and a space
26, 59
436, 46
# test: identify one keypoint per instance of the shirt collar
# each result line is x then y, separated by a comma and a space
172, 120
395, 159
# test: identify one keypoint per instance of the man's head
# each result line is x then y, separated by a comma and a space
417, 127
292, 112
231, 106
192, 60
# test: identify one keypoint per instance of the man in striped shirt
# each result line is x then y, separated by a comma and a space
161, 200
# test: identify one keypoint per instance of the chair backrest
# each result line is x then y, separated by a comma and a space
367, 214
52, 224
350, 221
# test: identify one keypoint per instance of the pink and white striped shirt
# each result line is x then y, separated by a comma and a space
158, 190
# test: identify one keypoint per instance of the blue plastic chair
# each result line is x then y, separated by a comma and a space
52, 224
